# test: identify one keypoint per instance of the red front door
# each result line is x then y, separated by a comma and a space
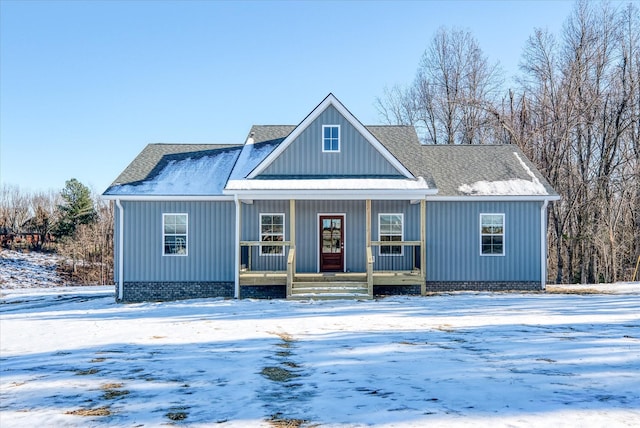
331, 243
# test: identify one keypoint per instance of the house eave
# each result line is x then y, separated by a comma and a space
150, 198
497, 198
343, 194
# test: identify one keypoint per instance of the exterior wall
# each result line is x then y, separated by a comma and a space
304, 157
411, 226
307, 232
453, 245
250, 231
206, 271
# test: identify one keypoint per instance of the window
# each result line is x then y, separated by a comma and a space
492, 234
174, 234
330, 138
390, 229
271, 230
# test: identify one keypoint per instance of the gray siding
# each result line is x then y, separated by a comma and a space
411, 226
304, 157
250, 218
307, 232
453, 242
211, 242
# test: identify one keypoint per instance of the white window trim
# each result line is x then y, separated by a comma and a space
391, 245
186, 244
339, 138
504, 232
284, 219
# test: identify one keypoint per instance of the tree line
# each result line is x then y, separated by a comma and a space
71, 222
574, 110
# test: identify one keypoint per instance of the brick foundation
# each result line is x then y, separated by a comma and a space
437, 286
164, 291
396, 290
263, 291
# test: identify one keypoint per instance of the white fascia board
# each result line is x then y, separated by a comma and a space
499, 198
330, 100
351, 194
169, 197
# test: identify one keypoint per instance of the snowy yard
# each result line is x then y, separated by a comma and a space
70, 356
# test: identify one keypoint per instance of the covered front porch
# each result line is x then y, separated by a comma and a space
332, 249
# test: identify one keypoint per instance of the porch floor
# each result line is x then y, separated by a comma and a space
331, 285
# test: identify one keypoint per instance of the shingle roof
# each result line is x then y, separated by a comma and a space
445, 167
155, 157
270, 133
453, 166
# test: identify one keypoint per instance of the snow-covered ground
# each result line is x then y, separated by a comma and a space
28, 270
71, 356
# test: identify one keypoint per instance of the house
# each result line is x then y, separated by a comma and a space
328, 208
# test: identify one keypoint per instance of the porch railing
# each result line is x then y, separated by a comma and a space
291, 270
369, 271
264, 256
396, 256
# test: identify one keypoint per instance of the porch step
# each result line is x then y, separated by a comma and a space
329, 290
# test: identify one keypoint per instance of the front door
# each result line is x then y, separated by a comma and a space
331, 243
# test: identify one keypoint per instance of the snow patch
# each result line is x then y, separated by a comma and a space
204, 175
513, 187
29, 270
330, 184
250, 157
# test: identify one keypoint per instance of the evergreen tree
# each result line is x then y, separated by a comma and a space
77, 208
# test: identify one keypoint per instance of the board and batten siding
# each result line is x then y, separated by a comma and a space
453, 242
211, 242
304, 156
308, 230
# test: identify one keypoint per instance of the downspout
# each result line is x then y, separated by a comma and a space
237, 247
543, 245
120, 250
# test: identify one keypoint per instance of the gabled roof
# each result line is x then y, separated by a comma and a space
330, 100
215, 170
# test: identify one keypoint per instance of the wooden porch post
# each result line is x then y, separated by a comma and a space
368, 222
423, 246
368, 248
292, 247
238, 248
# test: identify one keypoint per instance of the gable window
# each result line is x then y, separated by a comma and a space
271, 230
492, 234
330, 138
390, 228
174, 234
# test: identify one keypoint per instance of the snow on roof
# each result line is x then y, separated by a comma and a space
202, 175
250, 157
512, 187
330, 184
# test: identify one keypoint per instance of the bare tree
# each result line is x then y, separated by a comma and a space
449, 101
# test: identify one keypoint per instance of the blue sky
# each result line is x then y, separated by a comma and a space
85, 85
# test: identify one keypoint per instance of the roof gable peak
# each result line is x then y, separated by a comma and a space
329, 100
